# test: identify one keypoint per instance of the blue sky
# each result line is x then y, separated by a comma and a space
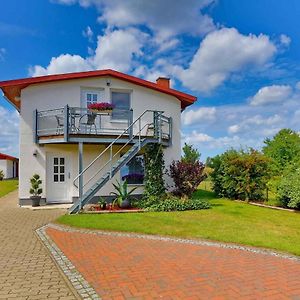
240, 58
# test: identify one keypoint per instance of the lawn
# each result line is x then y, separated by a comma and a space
226, 221
7, 186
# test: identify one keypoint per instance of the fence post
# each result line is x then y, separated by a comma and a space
66, 123
80, 168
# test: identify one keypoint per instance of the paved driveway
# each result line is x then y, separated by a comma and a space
128, 266
26, 269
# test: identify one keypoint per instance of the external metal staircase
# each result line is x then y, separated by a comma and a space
136, 136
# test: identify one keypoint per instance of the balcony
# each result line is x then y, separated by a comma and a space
75, 124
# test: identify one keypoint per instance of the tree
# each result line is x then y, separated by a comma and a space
190, 154
186, 176
283, 148
240, 174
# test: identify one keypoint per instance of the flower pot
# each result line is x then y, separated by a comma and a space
35, 200
107, 111
125, 204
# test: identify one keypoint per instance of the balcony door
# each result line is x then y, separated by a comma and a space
58, 182
91, 96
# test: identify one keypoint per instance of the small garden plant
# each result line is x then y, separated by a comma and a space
123, 195
1, 175
36, 182
186, 174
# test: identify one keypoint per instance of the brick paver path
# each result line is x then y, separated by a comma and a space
26, 269
122, 267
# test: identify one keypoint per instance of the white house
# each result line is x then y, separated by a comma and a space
9, 166
79, 154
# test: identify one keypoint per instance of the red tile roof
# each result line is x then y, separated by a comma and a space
7, 157
12, 88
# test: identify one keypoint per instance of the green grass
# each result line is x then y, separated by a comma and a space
7, 186
226, 221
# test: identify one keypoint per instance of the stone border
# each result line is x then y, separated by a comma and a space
77, 281
262, 251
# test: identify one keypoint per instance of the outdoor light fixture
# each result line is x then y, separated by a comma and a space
108, 82
35, 153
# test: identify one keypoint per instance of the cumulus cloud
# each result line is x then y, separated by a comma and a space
271, 95
222, 53
9, 131
202, 114
65, 63
115, 49
165, 18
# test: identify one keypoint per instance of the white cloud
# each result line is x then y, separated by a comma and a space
201, 114
198, 137
88, 33
222, 53
9, 131
273, 94
115, 49
285, 40
165, 18
2, 53
65, 63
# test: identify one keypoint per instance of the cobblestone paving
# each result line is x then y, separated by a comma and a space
26, 269
129, 266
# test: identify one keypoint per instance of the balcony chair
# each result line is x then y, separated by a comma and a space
88, 121
60, 125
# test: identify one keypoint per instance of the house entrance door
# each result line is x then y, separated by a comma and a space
58, 179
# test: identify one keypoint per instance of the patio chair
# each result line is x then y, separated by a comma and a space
88, 121
60, 124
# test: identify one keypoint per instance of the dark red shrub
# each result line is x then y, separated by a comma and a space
186, 176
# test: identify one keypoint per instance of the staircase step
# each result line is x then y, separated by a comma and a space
89, 194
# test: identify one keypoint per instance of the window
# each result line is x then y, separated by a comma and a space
121, 102
58, 169
134, 171
91, 96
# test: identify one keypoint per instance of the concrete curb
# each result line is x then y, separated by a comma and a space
79, 286
261, 251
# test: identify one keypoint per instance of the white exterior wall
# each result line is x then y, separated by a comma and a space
7, 166
56, 95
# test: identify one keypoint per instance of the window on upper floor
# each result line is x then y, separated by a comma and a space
91, 96
121, 102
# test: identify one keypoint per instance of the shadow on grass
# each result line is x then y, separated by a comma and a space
203, 194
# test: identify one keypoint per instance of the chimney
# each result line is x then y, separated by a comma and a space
163, 82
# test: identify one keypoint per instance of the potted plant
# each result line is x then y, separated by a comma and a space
104, 107
102, 203
1, 175
35, 190
122, 194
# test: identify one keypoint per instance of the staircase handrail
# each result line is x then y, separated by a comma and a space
109, 147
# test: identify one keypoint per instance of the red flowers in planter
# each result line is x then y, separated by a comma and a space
101, 106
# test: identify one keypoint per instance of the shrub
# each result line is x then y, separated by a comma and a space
240, 174
283, 148
1, 175
186, 176
154, 170
190, 155
289, 187
172, 203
